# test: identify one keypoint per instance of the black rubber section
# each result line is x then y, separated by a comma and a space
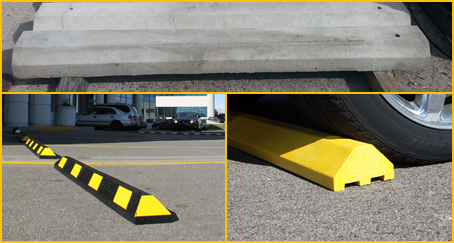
369, 118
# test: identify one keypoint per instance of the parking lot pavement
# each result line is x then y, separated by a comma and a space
265, 202
269, 203
93, 146
185, 173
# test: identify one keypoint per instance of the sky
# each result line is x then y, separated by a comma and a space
219, 102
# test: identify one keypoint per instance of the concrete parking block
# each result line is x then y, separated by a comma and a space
216, 15
47, 54
131, 39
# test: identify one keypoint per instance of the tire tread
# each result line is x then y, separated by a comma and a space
330, 114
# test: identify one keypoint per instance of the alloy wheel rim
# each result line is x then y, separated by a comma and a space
430, 110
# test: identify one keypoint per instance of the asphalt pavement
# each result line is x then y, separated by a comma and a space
186, 173
18, 17
267, 203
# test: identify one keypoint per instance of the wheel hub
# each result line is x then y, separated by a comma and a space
430, 110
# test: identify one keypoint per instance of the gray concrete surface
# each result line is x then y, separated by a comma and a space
201, 38
98, 53
265, 202
18, 17
219, 15
185, 173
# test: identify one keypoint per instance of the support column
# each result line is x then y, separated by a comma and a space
210, 105
99, 99
16, 110
138, 103
61, 98
110, 98
39, 110
83, 103
64, 115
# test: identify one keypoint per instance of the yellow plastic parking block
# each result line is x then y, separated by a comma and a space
330, 161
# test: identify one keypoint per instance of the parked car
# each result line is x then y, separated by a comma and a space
163, 125
141, 123
187, 120
215, 119
205, 126
160, 119
116, 116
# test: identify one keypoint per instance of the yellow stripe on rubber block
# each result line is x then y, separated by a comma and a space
40, 150
22, 137
179, 133
330, 161
133, 204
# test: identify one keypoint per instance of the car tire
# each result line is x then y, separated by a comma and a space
373, 119
239, 100
116, 126
157, 127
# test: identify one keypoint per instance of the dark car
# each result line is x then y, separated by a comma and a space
205, 126
159, 119
164, 125
187, 121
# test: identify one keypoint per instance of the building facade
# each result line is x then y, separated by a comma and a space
58, 109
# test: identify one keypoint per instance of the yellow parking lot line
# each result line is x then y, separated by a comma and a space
26, 163
222, 141
154, 163
115, 163
116, 146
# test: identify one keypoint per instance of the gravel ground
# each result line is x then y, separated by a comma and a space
268, 203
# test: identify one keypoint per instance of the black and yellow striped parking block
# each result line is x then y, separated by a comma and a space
186, 133
22, 137
40, 150
135, 205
